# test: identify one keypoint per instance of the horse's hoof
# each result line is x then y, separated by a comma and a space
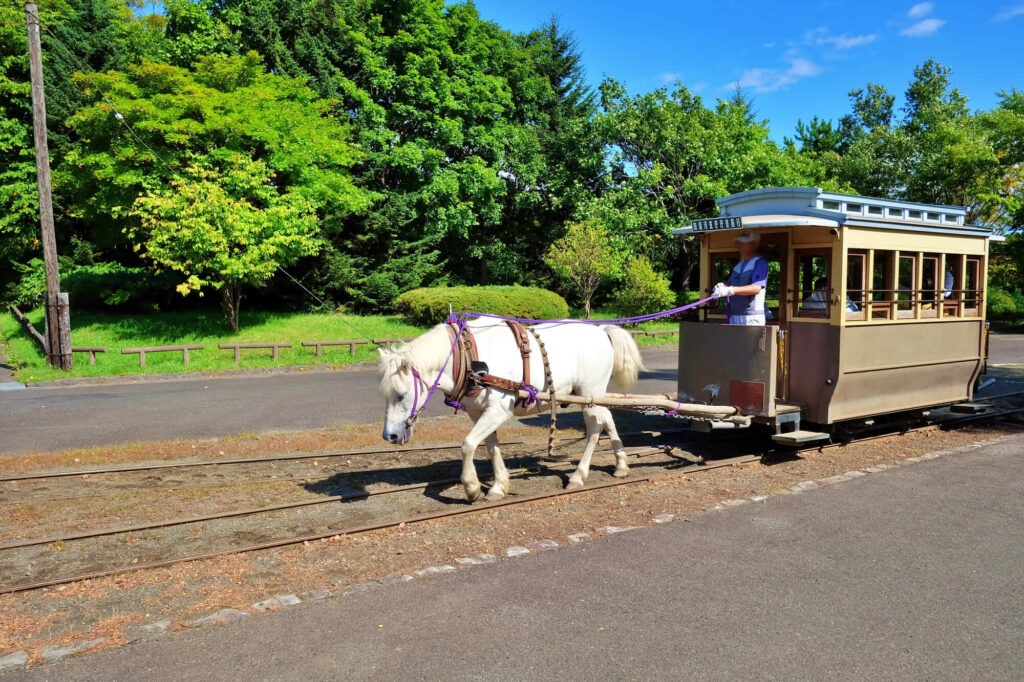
495, 496
621, 472
574, 484
473, 493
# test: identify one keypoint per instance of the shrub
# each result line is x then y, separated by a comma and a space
643, 290
1002, 303
430, 306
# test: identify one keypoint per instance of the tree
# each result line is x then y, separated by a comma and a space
643, 289
206, 118
674, 156
818, 136
225, 229
938, 152
583, 259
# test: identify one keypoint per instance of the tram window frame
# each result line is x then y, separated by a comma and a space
881, 294
930, 294
951, 305
800, 294
972, 286
906, 292
853, 286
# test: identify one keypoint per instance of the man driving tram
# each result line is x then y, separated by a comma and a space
746, 286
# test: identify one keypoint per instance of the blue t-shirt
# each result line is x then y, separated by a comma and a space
751, 271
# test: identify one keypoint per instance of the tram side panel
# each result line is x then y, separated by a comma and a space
893, 367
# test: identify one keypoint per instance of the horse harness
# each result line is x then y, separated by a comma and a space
471, 376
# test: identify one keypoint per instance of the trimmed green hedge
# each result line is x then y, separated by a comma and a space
430, 306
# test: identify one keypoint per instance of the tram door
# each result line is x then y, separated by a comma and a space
775, 250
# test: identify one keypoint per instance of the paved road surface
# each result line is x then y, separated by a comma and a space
88, 416
1006, 349
914, 573
58, 418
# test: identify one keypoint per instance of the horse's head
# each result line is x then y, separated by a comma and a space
398, 386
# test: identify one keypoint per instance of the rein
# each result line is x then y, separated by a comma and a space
417, 379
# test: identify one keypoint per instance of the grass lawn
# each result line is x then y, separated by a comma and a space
193, 327
210, 329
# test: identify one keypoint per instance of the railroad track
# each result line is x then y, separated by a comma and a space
57, 540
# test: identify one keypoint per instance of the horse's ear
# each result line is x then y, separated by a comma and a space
383, 353
405, 365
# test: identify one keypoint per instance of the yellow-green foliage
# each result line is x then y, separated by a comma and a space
430, 305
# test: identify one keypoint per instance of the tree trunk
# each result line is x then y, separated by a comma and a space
230, 301
586, 308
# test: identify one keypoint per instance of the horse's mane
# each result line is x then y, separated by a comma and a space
427, 353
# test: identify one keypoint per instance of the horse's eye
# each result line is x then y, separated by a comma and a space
401, 397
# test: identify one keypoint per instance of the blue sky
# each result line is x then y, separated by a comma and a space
796, 59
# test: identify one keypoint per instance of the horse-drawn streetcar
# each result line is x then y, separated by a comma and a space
873, 307
824, 308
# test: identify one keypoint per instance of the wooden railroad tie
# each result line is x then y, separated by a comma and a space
237, 347
184, 348
318, 345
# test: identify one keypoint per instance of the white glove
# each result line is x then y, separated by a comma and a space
722, 291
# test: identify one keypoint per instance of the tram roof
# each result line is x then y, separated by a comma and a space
812, 206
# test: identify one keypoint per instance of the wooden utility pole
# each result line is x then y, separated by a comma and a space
58, 320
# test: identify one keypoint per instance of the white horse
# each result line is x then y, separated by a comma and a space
582, 357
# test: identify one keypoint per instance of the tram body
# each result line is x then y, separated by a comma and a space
875, 307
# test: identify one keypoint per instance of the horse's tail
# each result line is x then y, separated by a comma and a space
627, 363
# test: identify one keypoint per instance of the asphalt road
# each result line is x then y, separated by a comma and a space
913, 573
88, 416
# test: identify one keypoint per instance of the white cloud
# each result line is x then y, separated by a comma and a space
699, 86
669, 77
1010, 13
921, 9
821, 36
770, 80
922, 28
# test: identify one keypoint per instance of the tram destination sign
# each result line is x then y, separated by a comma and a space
709, 224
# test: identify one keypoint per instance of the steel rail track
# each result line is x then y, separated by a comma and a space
64, 473
469, 509
296, 504
695, 468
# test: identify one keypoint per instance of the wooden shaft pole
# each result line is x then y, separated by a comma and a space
610, 400
58, 354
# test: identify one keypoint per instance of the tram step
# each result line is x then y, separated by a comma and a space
970, 408
799, 437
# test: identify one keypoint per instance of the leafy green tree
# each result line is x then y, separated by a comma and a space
1005, 126
225, 121
583, 259
643, 289
674, 156
818, 136
937, 152
19, 202
205, 118
226, 228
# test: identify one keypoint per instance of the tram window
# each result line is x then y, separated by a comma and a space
930, 283
906, 293
856, 285
972, 288
952, 286
882, 286
813, 284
